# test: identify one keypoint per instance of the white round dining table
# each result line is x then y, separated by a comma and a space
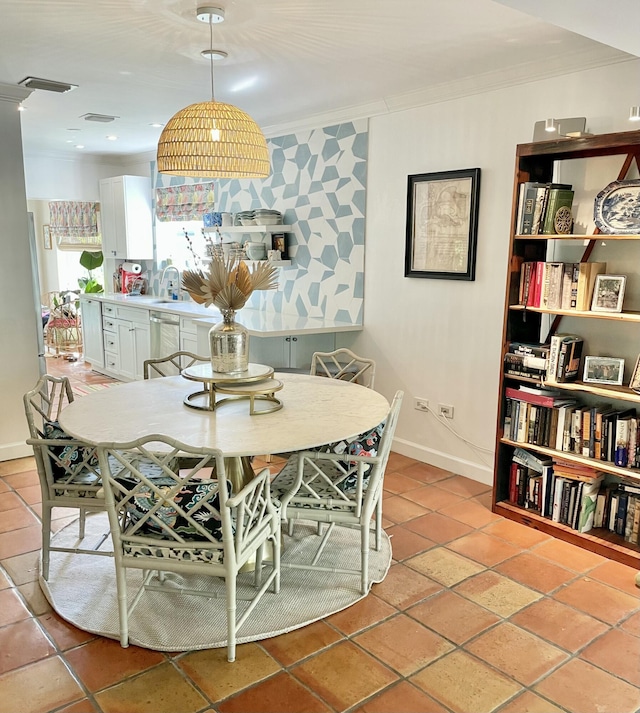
316, 410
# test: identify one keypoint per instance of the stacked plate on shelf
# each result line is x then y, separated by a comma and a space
245, 217
262, 216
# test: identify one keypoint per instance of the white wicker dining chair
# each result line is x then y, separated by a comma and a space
186, 523
340, 489
345, 365
339, 364
171, 365
67, 468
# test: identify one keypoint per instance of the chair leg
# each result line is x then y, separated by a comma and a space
379, 524
123, 614
82, 521
46, 539
290, 528
277, 551
257, 572
231, 617
364, 557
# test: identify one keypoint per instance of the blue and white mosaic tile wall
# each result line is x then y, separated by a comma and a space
318, 182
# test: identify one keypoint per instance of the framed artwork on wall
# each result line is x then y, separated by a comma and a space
442, 224
46, 235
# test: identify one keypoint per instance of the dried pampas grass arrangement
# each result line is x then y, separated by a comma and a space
229, 283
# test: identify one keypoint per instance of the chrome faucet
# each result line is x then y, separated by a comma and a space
170, 283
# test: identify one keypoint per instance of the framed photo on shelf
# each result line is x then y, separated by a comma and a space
46, 236
634, 382
603, 370
608, 293
442, 224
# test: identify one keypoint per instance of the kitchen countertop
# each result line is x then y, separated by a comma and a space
257, 322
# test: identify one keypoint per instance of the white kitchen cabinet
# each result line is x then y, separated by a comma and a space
127, 341
133, 349
125, 206
292, 352
188, 336
92, 341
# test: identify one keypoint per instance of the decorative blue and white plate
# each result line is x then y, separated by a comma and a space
616, 210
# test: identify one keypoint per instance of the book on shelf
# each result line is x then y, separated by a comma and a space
557, 197
565, 351
587, 273
535, 206
569, 355
532, 197
531, 460
589, 496
541, 397
551, 297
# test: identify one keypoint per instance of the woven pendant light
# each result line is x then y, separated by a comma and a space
212, 139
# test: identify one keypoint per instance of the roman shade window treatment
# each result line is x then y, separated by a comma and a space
74, 225
187, 202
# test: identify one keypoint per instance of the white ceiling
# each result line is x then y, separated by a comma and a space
291, 62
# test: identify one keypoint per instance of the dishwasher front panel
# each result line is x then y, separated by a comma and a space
165, 338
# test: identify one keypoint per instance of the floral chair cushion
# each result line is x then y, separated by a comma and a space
187, 498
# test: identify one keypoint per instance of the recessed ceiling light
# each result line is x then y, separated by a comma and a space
156, 125
79, 146
112, 138
69, 141
20, 107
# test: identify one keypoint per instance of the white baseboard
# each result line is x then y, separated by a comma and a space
11, 451
460, 466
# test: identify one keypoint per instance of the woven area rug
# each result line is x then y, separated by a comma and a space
84, 389
82, 589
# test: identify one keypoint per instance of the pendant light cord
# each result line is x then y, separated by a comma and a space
211, 54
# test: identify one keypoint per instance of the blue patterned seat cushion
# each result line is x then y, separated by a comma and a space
188, 497
365, 444
70, 456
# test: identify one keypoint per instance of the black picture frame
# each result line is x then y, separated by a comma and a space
442, 224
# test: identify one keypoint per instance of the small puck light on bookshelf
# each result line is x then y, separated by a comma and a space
634, 113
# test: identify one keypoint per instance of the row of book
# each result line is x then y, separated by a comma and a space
575, 495
555, 421
556, 362
538, 205
558, 285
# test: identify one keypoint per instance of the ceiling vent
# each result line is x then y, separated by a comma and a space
47, 84
102, 118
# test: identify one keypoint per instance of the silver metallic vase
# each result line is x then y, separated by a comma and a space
229, 344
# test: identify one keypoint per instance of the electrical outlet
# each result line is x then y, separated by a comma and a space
420, 404
445, 411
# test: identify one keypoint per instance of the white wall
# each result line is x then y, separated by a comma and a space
61, 178
439, 339
19, 367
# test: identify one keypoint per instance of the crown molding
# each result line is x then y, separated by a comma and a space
13, 93
526, 73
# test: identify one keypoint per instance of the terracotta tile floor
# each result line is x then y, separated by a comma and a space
476, 614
